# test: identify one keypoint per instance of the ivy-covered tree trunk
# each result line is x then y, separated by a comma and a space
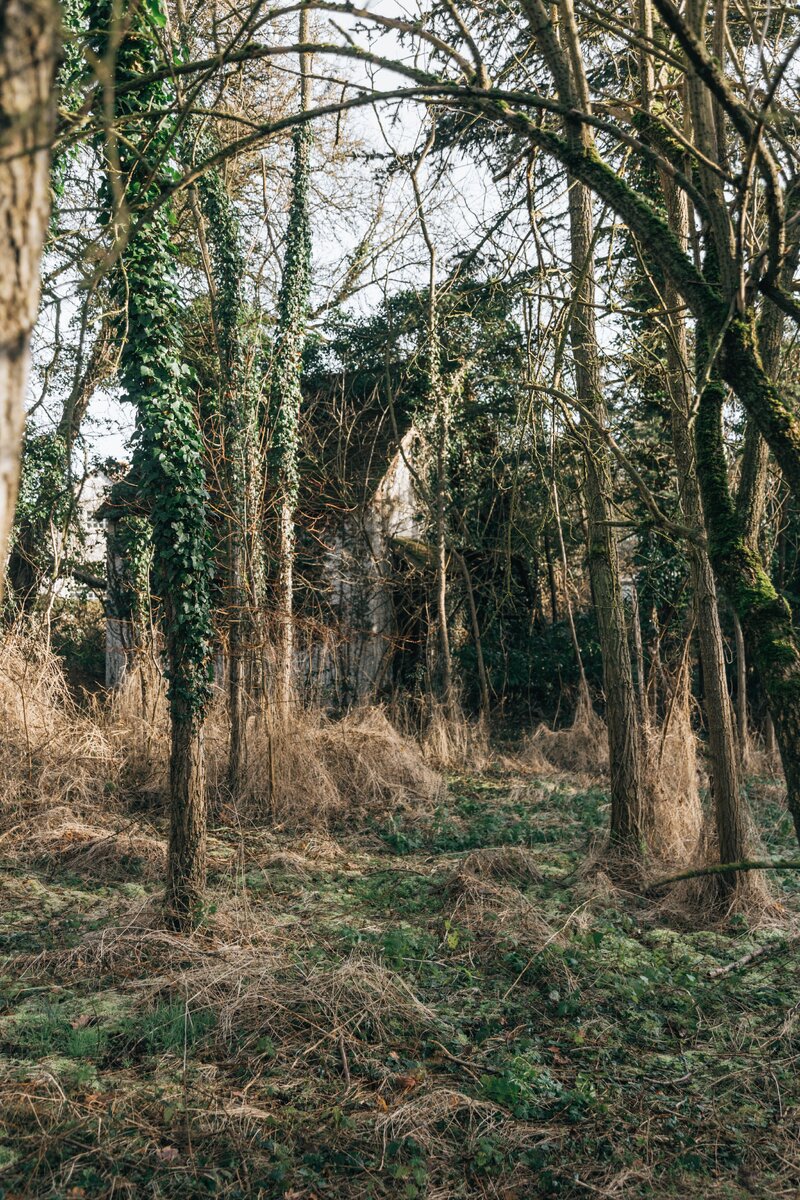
751, 494
28, 57
168, 451
237, 423
234, 439
285, 391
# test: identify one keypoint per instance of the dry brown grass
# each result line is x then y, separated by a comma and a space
51, 753
452, 742
491, 909
674, 817
579, 749
706, 901
507, 864
114, 848
310, 772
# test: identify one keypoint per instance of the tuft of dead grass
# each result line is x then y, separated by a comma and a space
454, 743
705, 901
674, 816
439, 1113
508, 864
310, 772
580, 749
491, 909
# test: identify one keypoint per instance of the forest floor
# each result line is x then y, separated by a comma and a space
442, 1007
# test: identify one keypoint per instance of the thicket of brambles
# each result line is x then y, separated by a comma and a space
392, 400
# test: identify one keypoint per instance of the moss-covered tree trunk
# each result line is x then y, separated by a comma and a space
730, 816
29, 32
730, 813
765, 616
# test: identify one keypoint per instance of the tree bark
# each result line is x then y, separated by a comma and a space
483, 678
186, 877
563, 57
28, 59
742, 727
765, 616
730, 814
624, 740
286, 398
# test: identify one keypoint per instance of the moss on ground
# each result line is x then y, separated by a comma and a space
404, 1015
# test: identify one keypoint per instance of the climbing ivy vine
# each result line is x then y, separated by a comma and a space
285, 393
168, 451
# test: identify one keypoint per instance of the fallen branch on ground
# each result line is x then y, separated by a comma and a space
754, 955
757, 864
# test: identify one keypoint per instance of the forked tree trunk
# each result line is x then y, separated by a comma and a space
765, 616
28, 55
730, 814
561, 50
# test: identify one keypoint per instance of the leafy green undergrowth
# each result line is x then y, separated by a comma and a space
444, 1007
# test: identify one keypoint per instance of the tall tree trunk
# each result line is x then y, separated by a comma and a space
236, 423
731, 819
28, 59
638, 646
624, 737
561, 50
438, 397
765, 616
236, 418
168, 461
480, 661
752, 491
584, 697
441, 400
285, 392
730, 813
